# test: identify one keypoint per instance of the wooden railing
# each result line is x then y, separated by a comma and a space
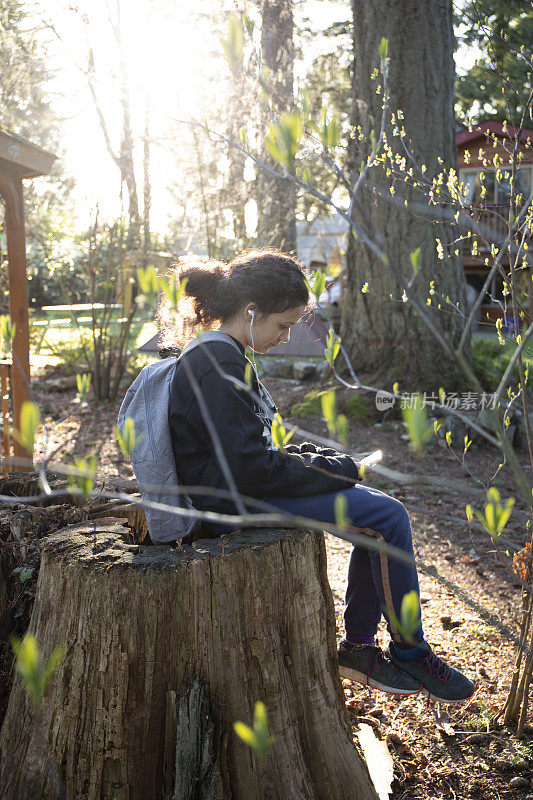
494, 219
5, 393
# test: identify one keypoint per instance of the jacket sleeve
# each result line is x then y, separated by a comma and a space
259, 471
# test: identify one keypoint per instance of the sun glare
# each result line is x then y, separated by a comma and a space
172, 58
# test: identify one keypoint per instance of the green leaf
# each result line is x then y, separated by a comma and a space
248, 375
418, 428
416, 260
329, 409
259, 739
306, 176
305, 104
410, 615
173, 289
148, 280
7, 332
383, 48
342, 429
25, 573
496, 515
329, 130
246, 734
35, 676
83, 475
409, 620
83, 382
341, 511
30, 422
233, 44
284, 139
127, 438
248, 24
332, 347
319, 284
280, 437
260, 717
243, 136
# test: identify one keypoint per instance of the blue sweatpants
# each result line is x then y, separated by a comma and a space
377, 582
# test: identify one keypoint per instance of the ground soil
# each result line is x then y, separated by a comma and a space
438, 752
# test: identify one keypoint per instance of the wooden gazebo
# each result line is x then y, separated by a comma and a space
19, 159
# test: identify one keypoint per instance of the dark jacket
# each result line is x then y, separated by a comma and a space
257, 470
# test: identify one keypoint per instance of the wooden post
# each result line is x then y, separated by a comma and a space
166, 649
11, 189
5, 371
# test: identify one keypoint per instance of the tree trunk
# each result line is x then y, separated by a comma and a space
276, 203
166, 649
380, 333
147, 186
235, 194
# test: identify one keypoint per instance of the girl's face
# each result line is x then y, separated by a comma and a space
269, 331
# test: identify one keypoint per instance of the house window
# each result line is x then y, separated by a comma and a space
473, 186
496, 192
522, 185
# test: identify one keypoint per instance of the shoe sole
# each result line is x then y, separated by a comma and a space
354, 675
432, 696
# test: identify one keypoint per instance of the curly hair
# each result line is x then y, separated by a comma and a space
218, 291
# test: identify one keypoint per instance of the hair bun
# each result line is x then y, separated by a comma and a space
205, 286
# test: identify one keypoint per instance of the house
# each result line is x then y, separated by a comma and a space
484, 171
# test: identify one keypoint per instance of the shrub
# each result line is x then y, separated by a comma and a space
490, 361
356, 408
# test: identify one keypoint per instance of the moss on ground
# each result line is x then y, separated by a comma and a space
356, 408
311, 405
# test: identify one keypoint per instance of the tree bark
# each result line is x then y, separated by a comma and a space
276, 203
147, 185
166, 649
380, 333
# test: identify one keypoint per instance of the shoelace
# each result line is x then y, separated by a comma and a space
377, 655
436, 666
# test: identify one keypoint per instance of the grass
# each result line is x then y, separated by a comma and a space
482, 719
62, 343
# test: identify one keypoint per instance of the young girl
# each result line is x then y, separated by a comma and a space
256, 300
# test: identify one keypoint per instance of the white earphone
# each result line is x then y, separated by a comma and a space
252, 314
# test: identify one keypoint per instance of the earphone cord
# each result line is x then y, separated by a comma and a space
253, 346
253, 358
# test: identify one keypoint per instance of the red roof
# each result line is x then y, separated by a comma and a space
491, 126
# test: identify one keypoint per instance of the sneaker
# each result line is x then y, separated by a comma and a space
439, 681
368, 665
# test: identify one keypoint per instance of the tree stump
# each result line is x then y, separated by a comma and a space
166, 648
